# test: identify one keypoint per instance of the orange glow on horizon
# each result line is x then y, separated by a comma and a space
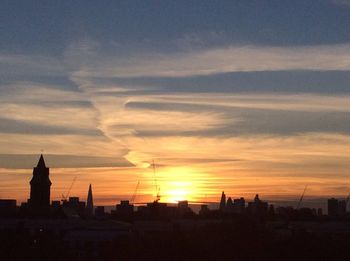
180, 183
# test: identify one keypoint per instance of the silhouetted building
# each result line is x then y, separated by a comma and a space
332, 207
157, 210
124, 210
336, 208
7, 207
257, 207
74, 207
90, 203
284, 212
271, 211
341, 208
56, 204
183, 208
23, 209
40, 187
304, 214
204, 210
239, 205
100, 212
222, 201
229, 205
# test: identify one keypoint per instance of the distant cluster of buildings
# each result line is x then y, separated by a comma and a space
38, 205
238, 206
336, 208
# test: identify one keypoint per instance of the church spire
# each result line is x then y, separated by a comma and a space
41, 162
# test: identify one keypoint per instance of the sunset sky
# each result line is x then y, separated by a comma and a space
242, 96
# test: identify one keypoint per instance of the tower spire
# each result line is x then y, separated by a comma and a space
222, 201
41, 162
90, 203
40, 188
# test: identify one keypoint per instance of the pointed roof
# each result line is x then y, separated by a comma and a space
222, 201
90, 190
90, 203
41, 162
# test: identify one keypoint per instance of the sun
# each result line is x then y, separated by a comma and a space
177, 192
178, 183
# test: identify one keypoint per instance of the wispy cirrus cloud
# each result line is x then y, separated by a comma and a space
169, 116
17, 65
220, 60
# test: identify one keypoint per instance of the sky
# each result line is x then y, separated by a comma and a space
242, 96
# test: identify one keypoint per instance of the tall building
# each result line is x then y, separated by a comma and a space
336, 208
229, 205
90, 203
258, 207
223, 201
40, 187
341, 208
239, 205
332, 207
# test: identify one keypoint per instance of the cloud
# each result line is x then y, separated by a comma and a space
25, 127
31, 92
184, 112
304, 155
28, 161
244, 58
28, 107
30, 65
321, 82
238, 119
128, 110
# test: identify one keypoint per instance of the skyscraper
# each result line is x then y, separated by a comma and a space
222, 202
336, 208
90, 203
40, 187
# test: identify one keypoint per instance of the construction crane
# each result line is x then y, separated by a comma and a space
135, 192
157, 188
302, 197
64, 197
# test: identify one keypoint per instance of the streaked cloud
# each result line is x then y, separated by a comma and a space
17, 65
239, 118
26, 161
243, 58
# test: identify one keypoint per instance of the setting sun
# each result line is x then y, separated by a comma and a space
179, 183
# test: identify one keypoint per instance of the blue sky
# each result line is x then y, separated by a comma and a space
32, 26
264, 84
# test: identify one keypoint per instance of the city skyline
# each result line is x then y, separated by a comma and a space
242, 97
41, 205
139, 197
